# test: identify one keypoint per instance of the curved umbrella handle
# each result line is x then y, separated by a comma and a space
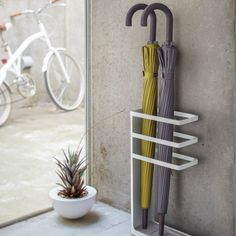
142, 6
169, 18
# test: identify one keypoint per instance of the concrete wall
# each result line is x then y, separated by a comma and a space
76, 29
66, 26
202, 198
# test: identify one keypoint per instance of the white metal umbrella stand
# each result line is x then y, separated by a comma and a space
136, 137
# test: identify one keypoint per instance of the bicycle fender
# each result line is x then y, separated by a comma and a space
47, 58
45, 61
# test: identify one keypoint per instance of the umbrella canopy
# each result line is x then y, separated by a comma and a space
149, 106
167, 58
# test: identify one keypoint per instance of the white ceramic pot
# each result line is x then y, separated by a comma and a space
73, 208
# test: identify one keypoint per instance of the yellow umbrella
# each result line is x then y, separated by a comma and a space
149, 106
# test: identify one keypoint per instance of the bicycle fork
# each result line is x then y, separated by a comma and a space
54, 50
61, 65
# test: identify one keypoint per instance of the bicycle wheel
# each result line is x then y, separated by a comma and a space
5, 104
66, 95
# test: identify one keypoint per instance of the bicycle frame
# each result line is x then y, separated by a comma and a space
14, 63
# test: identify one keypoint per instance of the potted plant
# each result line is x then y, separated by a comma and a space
72, 199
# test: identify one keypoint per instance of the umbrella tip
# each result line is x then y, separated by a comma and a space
145, 218
161, 224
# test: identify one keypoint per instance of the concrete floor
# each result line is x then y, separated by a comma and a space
28, 142
103, 220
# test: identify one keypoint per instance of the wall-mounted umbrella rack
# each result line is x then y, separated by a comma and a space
136, 137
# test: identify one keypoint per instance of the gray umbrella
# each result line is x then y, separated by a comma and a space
167, 58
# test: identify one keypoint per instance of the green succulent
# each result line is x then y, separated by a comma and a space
71, 173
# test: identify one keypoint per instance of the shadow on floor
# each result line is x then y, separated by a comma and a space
91, 218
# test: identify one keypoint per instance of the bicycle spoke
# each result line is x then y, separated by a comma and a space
62, 93
57, 75
66, 96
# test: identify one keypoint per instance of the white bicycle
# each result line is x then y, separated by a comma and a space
64, 78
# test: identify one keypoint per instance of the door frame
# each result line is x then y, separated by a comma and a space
89, 108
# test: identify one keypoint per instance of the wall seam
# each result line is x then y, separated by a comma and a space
234, 118
89, 107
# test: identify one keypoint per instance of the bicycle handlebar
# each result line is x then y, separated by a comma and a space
15, 14
48, 5
54, 1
